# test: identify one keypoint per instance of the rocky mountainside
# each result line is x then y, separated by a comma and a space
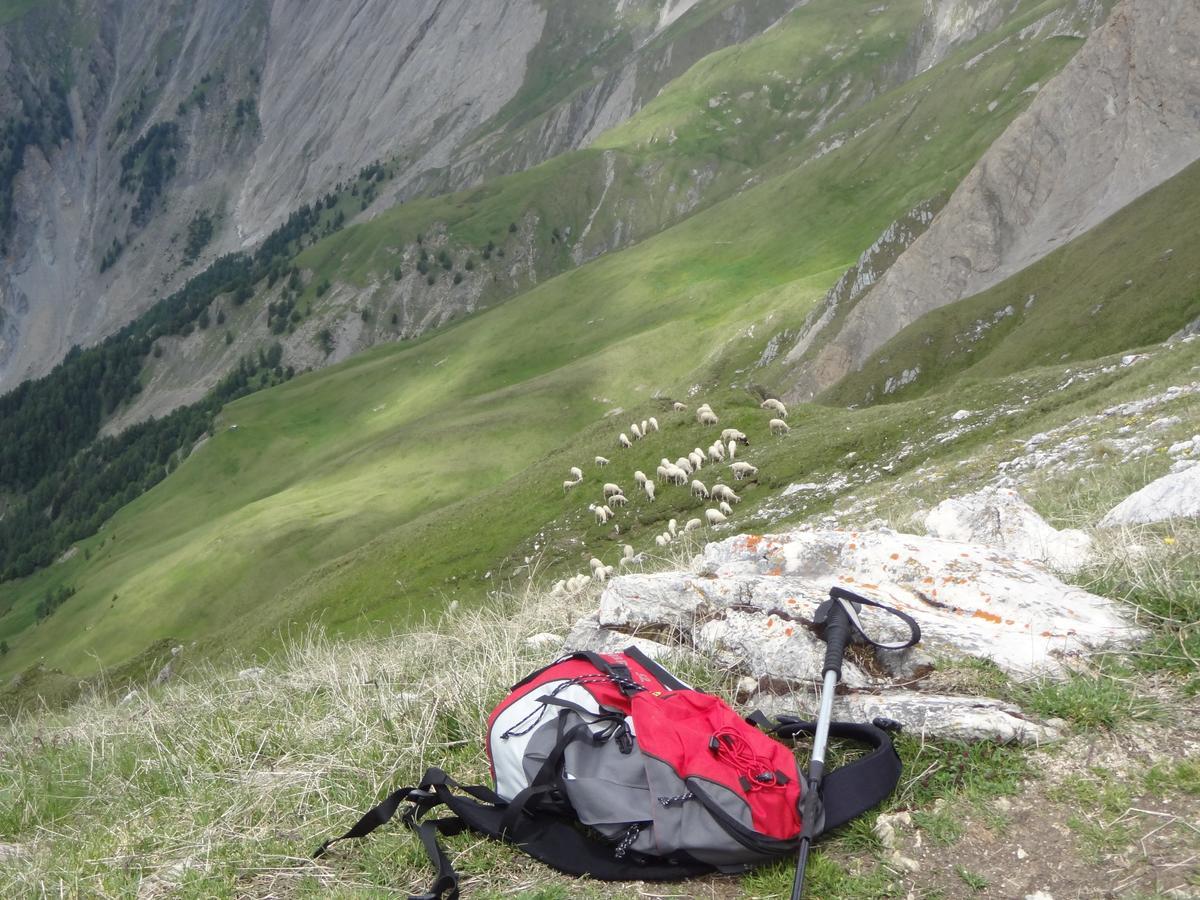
1119, 120
175, 132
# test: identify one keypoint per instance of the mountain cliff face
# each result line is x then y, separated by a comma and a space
185, 130
1121, 118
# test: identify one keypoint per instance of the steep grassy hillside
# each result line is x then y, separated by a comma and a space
1133, 280
412, 436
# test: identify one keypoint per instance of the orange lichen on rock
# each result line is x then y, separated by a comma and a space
987, 616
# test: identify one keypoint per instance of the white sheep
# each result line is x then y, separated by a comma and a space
678, 407
623, 441
576, 473
692, 525
595, 564
679, 476
771, 403
627, 552
635, 431
685, 464
662, 473
598, 575
732, 434
601, 461
601, 513
725, 492
696, 458
653, 423
725, 508
716, 453
732, 450
648, 487
618, 500
640, 477
567, 485
699, 490
778, 426
704, 407
661, 540
707, 417
714, 516
610, 489
608, 510
672, 527
743, 470
645, 428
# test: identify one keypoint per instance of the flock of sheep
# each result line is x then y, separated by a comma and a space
723, 450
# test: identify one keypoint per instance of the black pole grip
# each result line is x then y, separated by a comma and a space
836, 634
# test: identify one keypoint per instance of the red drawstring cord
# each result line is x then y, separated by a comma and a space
756, 770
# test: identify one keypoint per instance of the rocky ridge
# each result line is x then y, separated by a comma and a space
1117, 121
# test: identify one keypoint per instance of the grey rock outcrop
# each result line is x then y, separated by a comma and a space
941, 715
1174, 496
998, 517
749, 602
1117, 121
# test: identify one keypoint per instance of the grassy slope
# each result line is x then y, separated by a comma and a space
219, 783
225, 548
1134, 279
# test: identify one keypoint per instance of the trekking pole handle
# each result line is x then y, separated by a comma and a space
837, 634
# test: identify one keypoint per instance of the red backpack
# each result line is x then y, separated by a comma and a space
611, 767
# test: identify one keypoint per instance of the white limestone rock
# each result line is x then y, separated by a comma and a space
969, 600
998, 517
1174, 496
932, 715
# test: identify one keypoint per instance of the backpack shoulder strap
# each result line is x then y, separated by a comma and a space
551, 839
850, 790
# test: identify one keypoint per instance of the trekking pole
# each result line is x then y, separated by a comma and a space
836, 620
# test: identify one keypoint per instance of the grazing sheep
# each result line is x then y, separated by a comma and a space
645, 428
608, 510
714, 516
601, 461
635, 431
707, 417
672, 527
601, 513
662, 473
653, 423
679, 476
627, 552
610, 489
595, 564
567, 485
661, 540
699, 490
623, 441
576, 473
618, 500
743, 470
684, 463
692, 525
732, 434
678, 407
725, 508
648, 487
716, 453
704, 407
599, 574
776, 405
778, 426
696, 458
640, 477
732, 450
725, 492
